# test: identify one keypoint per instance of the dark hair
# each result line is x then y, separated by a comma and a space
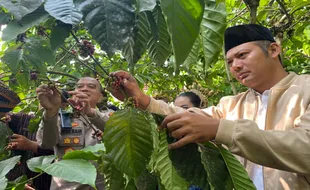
264, 44
194, 98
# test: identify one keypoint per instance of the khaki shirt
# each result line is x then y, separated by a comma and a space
51, 135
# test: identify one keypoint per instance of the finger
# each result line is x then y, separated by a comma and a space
122, 74
43, 86
81, 96
180, 133
175, 125
72, 101
40, 94
73, 92
15, 136
55, 91
182, 142
169, 119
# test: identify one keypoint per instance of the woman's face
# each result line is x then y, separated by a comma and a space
183, 102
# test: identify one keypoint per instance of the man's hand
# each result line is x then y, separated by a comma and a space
19, 142
28, 187
131, 88
49, 99
190, 127
82, 100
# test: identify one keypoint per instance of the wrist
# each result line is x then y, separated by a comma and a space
143, 101
50, 113
34, 147
91, 113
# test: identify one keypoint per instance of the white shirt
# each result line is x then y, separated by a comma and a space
257, 170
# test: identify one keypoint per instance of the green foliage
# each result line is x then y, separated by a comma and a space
218, 175
187, 162
4, 18
159, 45
238, 174
212, 30
142, 36
8, 164
113, 178
63, 10
20, 8
146, 181
5, 132
146, 5
134, 35
88, 153
110, 22
193, 55
169, 177
5, 167
3, 182
18, 184
128, 140
38, 164
16, 27
13, 58
183, 19
84, 171
58, 35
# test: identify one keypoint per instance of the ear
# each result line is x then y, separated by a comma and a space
100, 97
274, 50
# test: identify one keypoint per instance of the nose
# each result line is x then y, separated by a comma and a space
236, 65
84, 88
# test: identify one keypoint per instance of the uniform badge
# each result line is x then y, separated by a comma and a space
76, 140
68, 150
74, 124
67, 140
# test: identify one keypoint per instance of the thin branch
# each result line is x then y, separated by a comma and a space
64, 74
91, 56
243, 11
67, 52
28, 180
63, 48
288, 16
29, 98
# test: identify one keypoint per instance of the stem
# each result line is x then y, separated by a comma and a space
28, 180
64, 74
91, 56
288, 16
63, 48
32, 97
253, 11
67, 52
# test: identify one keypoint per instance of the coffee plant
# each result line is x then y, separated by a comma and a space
169, 46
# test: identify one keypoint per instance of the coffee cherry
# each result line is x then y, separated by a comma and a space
33, 75
113, 82
21, 37
86, 48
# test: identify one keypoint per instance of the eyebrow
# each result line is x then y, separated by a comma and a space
86, 84
238, 52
